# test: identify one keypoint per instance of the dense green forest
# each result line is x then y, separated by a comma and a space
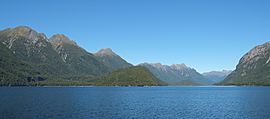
133, 76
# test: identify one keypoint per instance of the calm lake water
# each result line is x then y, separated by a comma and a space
134, 102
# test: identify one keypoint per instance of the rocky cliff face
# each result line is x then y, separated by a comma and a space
176, 74
253, 68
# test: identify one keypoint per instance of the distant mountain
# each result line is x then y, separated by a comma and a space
176, 74
216, 76
252, 69
132, 76
111, 59
76, 58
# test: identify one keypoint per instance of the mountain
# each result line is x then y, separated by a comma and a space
33, 48
132, 76
252, 69
112, 60
76, 58
30, 58
216, 76
176, 74
57, 55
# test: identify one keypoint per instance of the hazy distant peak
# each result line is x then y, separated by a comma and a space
176, 73
226, 71
60, 39
223, 71
105, 52
218, 73
173, 66
179, 66
157, 64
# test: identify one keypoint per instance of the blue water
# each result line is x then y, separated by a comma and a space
134, 102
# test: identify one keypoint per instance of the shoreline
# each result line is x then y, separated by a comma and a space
143, 86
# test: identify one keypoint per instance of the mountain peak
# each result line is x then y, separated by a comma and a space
259, 50
23, 34
176, 74
179, 66
222, 72
157, 64
28, 32
105, 52
60, 39
111, 59
226, 71
23, 28
173, 66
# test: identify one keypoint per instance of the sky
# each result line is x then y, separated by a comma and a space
204, 34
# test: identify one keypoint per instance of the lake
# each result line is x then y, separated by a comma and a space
134, 102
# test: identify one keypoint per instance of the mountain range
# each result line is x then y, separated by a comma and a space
28, 57
177, 74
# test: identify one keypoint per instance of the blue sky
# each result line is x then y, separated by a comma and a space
204, 34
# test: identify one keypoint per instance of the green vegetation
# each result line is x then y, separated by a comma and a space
28, 58
259, 76
133, 76
31, 59
63, 82
76, 59
12, 70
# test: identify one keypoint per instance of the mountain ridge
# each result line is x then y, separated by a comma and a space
77, 58
176, 73
60, 57
253, 68
58, 60
111, 59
